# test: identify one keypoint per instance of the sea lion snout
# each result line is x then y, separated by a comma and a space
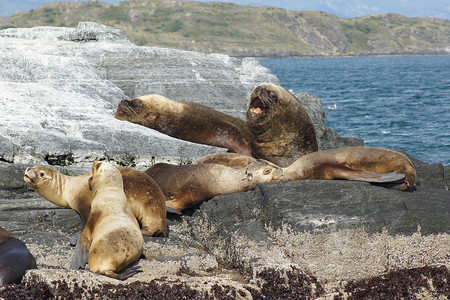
29, 176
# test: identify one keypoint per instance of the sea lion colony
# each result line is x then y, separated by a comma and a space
277, 142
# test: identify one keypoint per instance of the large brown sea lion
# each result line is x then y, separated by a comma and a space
281, 129
111, 238
188, 121
15, 259
354, 163
144, 196
187, 185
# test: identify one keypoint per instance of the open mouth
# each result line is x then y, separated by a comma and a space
28, 179
257, 106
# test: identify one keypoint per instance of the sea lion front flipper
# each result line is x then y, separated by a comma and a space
173, 210
129, 271
80, 255
362, 175
74, 238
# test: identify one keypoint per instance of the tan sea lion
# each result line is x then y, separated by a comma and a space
188, 121
281, 129
15, 259
354, 163
187, 185
111, 238
227, 159
144, 196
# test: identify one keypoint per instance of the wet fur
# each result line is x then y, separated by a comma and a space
15, 259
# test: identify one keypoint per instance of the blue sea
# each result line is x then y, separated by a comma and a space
401, 103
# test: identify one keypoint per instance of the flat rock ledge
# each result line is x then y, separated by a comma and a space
287, 240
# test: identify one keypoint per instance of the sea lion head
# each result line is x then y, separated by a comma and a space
39, 177
150, 111
129, 110
103, 175
263, 172
267, 102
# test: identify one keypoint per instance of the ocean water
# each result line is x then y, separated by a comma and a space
401, 103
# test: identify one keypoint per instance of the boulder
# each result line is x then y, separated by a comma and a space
59, 88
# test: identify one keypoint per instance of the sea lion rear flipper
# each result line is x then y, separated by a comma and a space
80, 257
367, 176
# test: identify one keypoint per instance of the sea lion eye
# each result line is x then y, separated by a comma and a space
135, 103
266, 171
41, 174
273, 96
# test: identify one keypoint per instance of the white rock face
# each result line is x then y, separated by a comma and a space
59, 88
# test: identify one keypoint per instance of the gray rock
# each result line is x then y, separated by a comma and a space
317, 206
59, 88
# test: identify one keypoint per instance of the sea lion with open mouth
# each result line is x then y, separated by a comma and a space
281, 128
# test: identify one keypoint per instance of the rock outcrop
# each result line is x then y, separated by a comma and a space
320, 239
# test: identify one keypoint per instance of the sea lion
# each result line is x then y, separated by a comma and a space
227, 159
143, 195
281, 128
188, 121
187, 185
15, 259
111, 238
354, 163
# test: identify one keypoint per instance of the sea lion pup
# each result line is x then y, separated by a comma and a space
15, 259
354, 163
144, 196
281, 129
187, 121
111, 238
187, 185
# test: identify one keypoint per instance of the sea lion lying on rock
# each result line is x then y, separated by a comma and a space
111, 239
281, 128
187, 121
15, 259
354, 163
228, 159
187, 185
144, 196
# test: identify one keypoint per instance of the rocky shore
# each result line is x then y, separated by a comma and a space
309, 239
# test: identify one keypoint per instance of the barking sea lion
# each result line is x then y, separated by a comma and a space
281, 129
